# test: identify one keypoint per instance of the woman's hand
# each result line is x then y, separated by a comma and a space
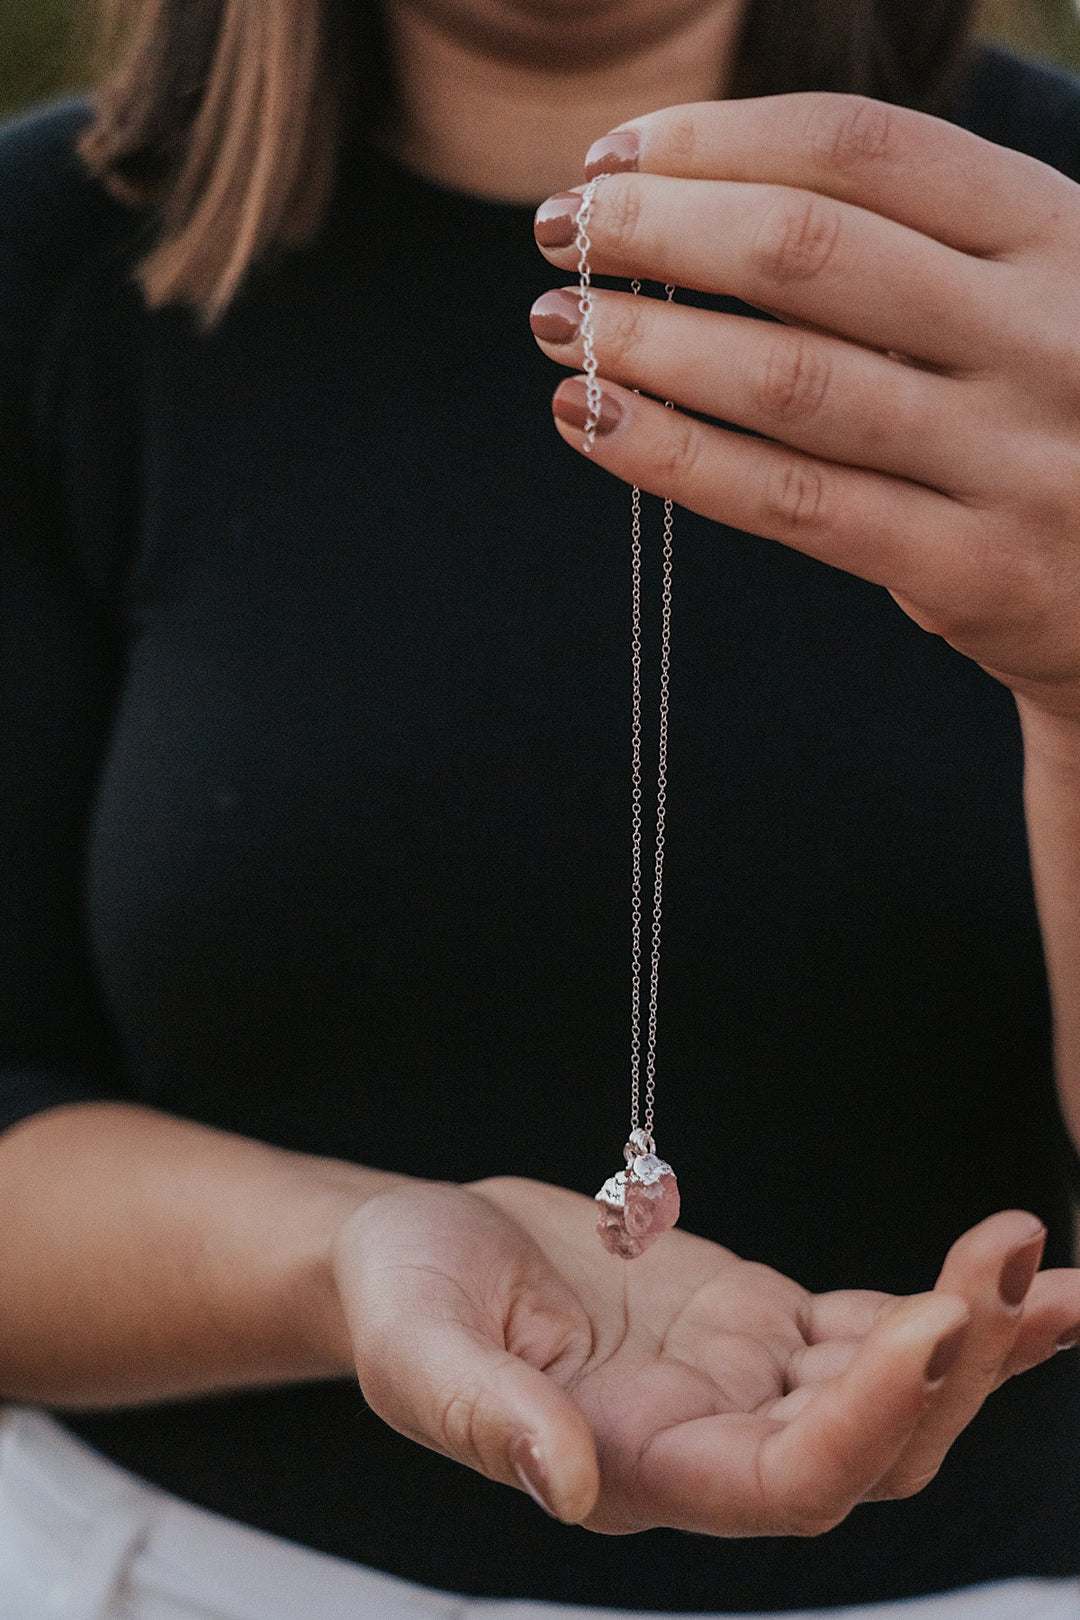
687, 1388
919, 397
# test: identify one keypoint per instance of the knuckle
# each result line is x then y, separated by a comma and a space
796, 239
794, 500
458, 1425
681, 140
679, 458
796, 378
629, 333
847, 131
622, 216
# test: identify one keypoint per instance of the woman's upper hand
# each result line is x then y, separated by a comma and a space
919, 396
687, 1388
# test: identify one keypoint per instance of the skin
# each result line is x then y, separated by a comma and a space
500, 98
145, 1256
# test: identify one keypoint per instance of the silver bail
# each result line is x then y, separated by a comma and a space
640, 1142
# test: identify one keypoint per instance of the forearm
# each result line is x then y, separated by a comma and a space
144, 1257
1052, 801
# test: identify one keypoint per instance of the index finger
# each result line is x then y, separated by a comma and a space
921, 171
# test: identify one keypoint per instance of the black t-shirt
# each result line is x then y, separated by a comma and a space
317, 696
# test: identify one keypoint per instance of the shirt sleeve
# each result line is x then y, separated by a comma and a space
58, 662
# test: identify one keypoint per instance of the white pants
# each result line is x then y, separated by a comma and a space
81, 1539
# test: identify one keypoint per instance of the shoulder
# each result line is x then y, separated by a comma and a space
54, 218
1028, 106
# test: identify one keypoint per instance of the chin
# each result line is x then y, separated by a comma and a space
563, 35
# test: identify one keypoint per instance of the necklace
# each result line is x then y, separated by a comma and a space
641, 1202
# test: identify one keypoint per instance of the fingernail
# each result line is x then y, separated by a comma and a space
944, 1354
1071, 1339
556, 316
616, 153
1019, 1269
555, 225
571, 405
530, 1471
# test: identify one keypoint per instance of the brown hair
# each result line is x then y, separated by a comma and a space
227, 115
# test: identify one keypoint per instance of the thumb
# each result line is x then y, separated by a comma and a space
494, 1412
429, 1343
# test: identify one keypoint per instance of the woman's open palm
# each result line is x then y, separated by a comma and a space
688, 1388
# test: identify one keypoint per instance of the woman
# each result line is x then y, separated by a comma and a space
316, 965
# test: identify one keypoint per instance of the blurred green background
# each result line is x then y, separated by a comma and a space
44, 44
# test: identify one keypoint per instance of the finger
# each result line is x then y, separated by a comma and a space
432, 1362
991, 1268
807, 1370
845, 1439
890, 532
920, 171
1050, 1321
823, 262
809, 390
816, 1363
751, 1475
845, 1313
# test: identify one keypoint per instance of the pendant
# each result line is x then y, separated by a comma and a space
640, 1203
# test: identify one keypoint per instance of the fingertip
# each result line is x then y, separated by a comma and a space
928, 1315
1034, 1226
555, 317
578, 1478
563, 1478
928, 1330
618, 152
944, 1354
571, 407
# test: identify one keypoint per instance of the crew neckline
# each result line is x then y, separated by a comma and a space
365, 158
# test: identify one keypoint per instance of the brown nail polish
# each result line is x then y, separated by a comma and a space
555, 225
945, 1353
530, 1471
1019, 1269
571, 406
616, 153
1070, 1340
556, 316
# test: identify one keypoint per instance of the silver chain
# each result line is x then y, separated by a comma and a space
592, 420
585, 307
661, 804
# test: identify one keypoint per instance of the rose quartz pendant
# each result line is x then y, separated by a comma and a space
640, 1203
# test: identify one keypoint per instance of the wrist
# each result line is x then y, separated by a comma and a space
312, 1303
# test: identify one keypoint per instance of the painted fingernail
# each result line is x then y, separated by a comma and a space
1071, 1339
555, 225
556, 316
616, 153
944, 1354
571, 406
530, 1471
1020, 1268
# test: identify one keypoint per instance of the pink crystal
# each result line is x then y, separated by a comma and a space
611, 1228
652, 1206
636, 1206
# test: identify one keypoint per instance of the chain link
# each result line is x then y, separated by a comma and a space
585, 307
